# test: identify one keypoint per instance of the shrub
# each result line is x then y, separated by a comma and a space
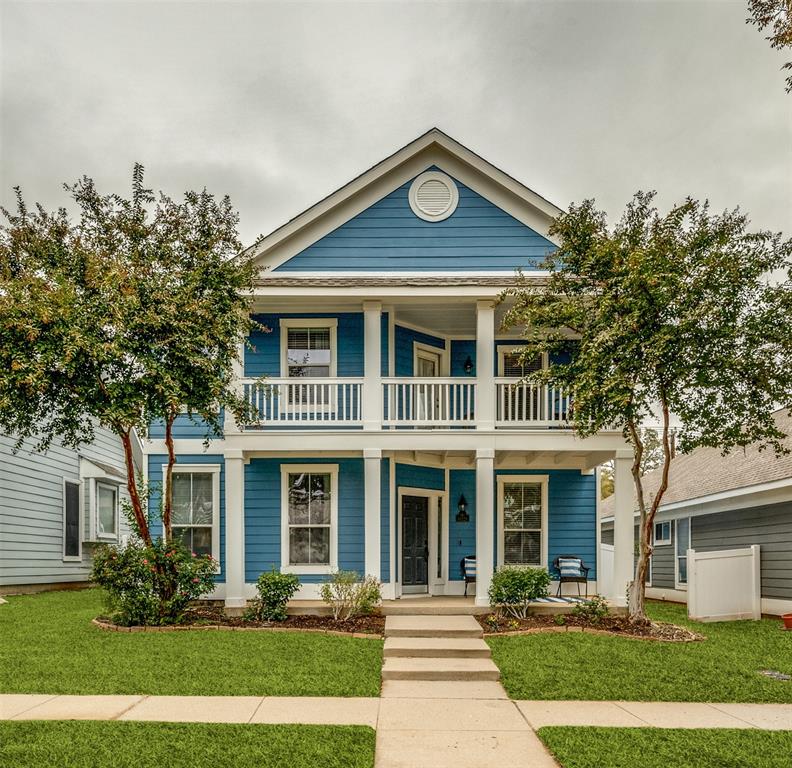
512, 589
274, 589
350, 597
151, 585
593, 611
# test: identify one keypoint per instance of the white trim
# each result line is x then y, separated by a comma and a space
434, 586
307, 322
392, 525
677, 584
664, 541
214, 470
544, 482
434, 148
325, 469
445, 180
80, 523
103, 485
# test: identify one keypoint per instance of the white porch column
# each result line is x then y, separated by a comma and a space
237, 373
235, 529
372, 460
485, 365
623, 527
372, 361
485, 521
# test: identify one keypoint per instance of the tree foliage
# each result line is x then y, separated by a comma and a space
663, 314
776, 17
652, 459
131, 313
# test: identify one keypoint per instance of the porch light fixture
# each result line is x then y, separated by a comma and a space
462, 515
468, 367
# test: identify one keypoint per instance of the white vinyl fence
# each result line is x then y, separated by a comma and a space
605, 571
725, 585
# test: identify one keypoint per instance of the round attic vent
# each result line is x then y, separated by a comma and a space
433, 196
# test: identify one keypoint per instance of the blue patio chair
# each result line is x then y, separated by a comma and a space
571, 569
468, 567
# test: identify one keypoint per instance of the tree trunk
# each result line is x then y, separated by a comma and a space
167, 503
647, 517
134, 496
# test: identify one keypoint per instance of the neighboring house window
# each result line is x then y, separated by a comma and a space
662, 533
71, 521
308, 348
682, 546
195, 520
310, 503
522, 517
106, 510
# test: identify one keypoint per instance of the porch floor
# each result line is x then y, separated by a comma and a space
437, 605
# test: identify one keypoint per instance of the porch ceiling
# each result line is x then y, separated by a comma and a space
582, 460
444, 319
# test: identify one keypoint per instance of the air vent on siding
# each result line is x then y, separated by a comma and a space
433, 196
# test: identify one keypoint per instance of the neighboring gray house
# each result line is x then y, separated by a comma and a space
717, 502
54, 507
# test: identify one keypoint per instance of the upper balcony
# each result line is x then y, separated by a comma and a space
411, 365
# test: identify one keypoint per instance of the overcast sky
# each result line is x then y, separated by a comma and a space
279, 104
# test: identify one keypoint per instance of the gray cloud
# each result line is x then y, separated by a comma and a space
279, 104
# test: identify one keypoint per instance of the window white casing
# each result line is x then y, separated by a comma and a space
287, 323
543, 482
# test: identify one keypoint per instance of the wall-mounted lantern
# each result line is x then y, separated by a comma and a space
468, 366
462, 515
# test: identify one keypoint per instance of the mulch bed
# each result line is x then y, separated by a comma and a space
619, 626
215, 618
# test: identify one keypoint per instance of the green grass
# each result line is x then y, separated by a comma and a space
48, 645
85, 744
724, 667
661, 748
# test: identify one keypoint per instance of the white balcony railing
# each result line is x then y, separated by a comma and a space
306, 401
429, 402
521, 404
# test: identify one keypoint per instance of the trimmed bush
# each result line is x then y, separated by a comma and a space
274, 589
151, 585
594, 610
349, 596
512, 589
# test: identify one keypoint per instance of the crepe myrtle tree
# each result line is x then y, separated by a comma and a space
133, 312
660, 315
775, 17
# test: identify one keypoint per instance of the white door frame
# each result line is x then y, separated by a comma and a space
435, 585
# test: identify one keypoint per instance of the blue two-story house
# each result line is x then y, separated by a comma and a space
392, 439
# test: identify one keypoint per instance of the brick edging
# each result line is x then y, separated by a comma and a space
587, 630
109, 626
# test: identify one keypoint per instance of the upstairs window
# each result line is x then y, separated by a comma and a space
308, 348
513, 366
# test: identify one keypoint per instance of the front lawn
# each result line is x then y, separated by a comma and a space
85, 744
48, 645
724, 667
661, 748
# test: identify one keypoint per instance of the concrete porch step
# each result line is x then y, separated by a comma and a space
436, 647
433, 606
432, 626
439, 669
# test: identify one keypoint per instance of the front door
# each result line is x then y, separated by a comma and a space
415, 544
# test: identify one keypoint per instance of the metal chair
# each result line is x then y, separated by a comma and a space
571, 569
468, 567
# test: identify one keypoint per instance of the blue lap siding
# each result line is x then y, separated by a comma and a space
155, 479
263, 515
389, 237
461, 536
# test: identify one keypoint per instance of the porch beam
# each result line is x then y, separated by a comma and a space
485, 365
485, 521
623, 527
235, 529
372, 365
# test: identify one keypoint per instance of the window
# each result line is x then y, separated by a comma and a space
513, 366
106, 510
308, 348
195, 520
71, 521
662, 533
522, 510
682, 546
309, 513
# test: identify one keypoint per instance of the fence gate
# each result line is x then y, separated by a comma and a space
725, 585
